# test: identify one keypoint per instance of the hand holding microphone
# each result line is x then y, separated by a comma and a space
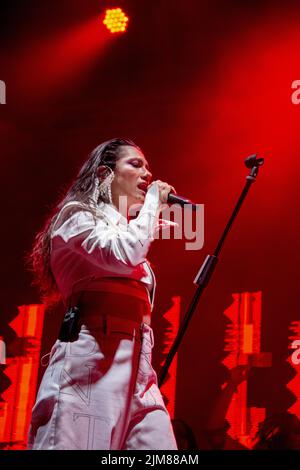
168, 195
164, 190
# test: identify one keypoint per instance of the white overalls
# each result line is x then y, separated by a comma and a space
100, 391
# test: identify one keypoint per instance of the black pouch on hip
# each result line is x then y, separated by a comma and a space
70, 327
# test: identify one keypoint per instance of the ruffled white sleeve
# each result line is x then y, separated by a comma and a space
105, 244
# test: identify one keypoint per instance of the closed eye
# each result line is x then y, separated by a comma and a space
139, 163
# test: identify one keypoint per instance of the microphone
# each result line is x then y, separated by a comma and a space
252, 161
176, 199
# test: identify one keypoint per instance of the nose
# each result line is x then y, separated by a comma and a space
147, 175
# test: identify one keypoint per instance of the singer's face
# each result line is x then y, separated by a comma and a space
132, 176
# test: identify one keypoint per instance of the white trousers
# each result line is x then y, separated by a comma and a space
100, 392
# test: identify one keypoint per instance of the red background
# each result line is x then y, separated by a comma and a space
199, 85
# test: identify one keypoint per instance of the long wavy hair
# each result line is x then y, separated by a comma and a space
81, 190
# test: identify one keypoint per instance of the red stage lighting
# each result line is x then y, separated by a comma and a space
115, 20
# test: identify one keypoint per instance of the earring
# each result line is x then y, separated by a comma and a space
104, 188
95, 195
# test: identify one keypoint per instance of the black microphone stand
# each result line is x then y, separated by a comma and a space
207, 268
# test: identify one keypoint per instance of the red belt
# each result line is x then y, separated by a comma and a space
119, 297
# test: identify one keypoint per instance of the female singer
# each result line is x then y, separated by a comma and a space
99, 390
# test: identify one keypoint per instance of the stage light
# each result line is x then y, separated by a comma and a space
115, 20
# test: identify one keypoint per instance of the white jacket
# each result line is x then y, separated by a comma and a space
85, 249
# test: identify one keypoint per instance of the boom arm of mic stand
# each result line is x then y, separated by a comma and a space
203, 277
